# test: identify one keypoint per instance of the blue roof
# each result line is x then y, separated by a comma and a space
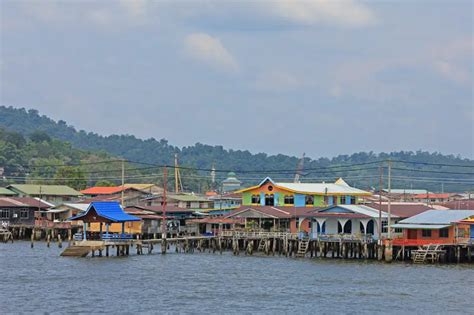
439, 217
109, 210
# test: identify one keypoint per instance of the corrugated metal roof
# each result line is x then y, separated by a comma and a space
420, 226
439, 217
359, 209
109, 210
406, 191
323, 188
99, 190
51, 190
187, 198
6, 192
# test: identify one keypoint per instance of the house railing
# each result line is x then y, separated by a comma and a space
258, 234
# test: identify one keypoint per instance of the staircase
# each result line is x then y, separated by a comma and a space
429, 253
302, 248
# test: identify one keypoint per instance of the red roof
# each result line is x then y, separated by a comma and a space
103, 190
460, 204
400, 210
431, 195
13, 202
340, 215
277, 212
159, 209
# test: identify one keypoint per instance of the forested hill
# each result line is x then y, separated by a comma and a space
199, 155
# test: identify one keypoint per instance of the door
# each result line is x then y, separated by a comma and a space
412, 234
472, 231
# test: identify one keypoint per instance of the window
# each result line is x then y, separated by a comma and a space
255, 198
384, 226
353, 200
444, 232
289, 200
426, 233
4, 214
24, 214
269, 200
326, 200
343, 200
309, 200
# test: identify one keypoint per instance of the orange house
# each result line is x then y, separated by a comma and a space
435, 227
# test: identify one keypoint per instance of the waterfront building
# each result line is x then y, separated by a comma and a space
435, 227
270, 193
63, 212
214, 226
20, 211
55, 194
108, 213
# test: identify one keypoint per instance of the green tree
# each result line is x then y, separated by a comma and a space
71, 176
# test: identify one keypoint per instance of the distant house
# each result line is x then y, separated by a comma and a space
20, 211
131, 195
432, 198
180, 200
55, 194
435, 227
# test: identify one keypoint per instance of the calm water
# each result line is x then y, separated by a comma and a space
38, 280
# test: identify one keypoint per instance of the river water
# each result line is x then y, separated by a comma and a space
40, 281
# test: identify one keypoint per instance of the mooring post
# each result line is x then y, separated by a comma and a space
48, 239
60, 242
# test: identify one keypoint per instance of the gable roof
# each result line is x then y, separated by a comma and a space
49, 190
109, 210
272, 212
351, 210
14, 202
402, 210
338, 188
439, 217
102, 190
431, 195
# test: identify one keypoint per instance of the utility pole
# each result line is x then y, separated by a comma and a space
123, 183
163, 221
380, 203
389, 210
389, 246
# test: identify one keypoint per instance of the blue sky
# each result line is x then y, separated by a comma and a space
321, 77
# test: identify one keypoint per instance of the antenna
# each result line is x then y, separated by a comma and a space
299, 170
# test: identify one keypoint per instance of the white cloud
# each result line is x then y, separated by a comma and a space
337, 12
209, 50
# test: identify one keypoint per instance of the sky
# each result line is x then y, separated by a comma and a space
320, 77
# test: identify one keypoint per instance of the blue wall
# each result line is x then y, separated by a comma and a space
262, 199
276, 199
330, 200
300, 201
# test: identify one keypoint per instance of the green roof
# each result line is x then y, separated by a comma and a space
51, 190
6, 192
